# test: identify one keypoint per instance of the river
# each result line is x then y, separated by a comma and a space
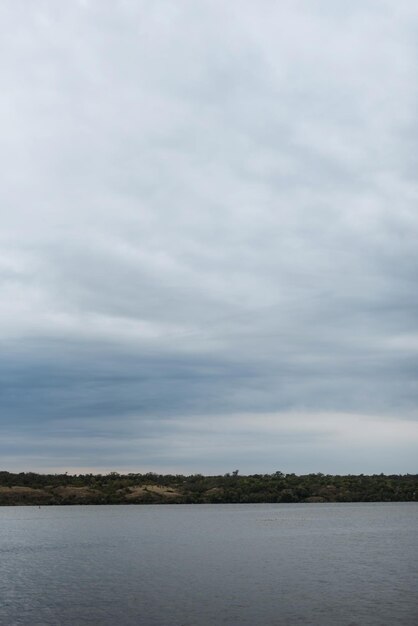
210, 565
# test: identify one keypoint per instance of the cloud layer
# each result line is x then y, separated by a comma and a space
209, 228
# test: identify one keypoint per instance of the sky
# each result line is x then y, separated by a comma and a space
209, 236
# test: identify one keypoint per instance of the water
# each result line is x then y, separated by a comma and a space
201, 565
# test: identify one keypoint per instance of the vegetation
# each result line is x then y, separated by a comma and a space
36, 489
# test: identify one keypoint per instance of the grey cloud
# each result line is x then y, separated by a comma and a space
207, 210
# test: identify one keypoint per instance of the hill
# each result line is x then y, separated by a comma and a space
49, 489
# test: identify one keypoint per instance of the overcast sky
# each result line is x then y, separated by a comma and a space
209, 236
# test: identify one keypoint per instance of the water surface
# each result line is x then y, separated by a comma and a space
201, 565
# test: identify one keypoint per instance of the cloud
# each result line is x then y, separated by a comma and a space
208, 212
304, 443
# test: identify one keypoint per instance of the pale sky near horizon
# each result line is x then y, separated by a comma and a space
209, 236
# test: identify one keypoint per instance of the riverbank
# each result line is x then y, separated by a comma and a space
51, 489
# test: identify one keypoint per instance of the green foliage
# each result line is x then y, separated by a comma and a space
115, 488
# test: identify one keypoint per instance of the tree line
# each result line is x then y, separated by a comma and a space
153, 488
